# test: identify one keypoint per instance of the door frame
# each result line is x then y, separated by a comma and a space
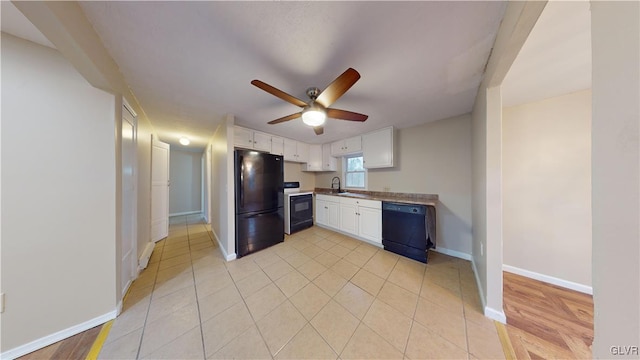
133, 201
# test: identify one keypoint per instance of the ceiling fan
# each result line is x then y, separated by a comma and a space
316, 110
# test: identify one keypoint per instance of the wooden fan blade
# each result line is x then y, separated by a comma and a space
319, 130
285, 118
338, 87
279, 93
346, 115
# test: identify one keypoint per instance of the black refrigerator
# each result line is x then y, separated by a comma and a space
259, 193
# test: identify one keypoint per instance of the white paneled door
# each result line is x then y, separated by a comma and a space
129, 200
159, 190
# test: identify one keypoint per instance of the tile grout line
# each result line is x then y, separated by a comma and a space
195, 288
146, 317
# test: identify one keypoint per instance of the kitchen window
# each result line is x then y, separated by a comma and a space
354, 172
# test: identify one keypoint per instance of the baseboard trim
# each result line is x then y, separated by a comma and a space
55, 337
453, 253
549, 279
186, 213
227, 257
146, 255
497, 315
489, 312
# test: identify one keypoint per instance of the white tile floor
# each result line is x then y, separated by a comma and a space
318, 295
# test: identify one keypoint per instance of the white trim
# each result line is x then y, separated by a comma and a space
125, 103
453, 253
146, 255
186, 213
548, 279
55, 337
227, 257
496, 315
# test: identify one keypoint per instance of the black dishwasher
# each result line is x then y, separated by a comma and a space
405, 229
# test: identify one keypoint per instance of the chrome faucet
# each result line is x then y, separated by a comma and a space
333, 182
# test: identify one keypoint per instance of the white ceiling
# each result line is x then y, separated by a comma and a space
556, 59
14, 23
189, 63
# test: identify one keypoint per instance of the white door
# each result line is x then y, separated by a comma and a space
370, 223
322, 211
159, 190
129, 200
207, 171
348, 219
333, 216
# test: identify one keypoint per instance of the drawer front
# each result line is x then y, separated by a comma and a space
375, 204
329, 198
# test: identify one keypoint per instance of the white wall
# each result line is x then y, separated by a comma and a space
547, 188
58, 195
615, 34
185, 191
222, 188
433, 158
292, 172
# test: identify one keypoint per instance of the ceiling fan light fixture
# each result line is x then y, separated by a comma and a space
314, 115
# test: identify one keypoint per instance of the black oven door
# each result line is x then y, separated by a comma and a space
301, 212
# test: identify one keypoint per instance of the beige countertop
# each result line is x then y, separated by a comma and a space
407, 198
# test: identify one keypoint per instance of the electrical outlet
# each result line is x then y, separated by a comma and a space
481, 249
2, 303
386, 188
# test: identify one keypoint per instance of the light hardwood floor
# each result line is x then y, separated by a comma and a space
546, 321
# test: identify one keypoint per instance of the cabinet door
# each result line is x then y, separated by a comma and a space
328, 161
370, 224
303, 152
321, 212
290, 150
242, 137
333, 215
353, 145
314, 163
277, 145
377, 148
337, 148
348, 219
261, 141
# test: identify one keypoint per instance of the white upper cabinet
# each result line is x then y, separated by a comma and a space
328, 161
242, 137
314, 162
303, 151
251, 139
346, 146
320, 159
295, 151
277, 145
261, 141
377, 148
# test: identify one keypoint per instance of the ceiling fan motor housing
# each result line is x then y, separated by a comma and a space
313, 92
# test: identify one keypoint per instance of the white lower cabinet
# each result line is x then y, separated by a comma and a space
370, 223
359, 217
349, 218
327, 208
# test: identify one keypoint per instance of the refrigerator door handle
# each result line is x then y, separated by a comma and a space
241, 159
